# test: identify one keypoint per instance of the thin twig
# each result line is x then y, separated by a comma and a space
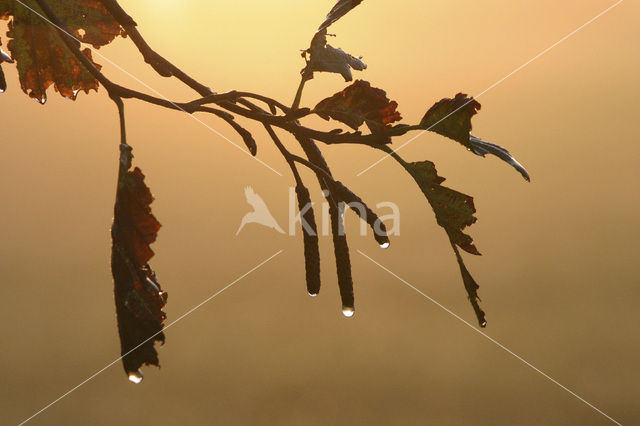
298, 98
159, 63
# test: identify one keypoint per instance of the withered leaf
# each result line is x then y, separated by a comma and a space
341, 8
452, 118
138, 295
90, 22
454, 210
325, 58
481, 148
42, 57
360, 103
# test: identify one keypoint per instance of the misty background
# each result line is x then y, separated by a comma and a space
557, 277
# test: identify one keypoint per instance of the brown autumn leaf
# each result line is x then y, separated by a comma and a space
90, 22
452, 118
360, 103
454, 210
138, 295
42, 57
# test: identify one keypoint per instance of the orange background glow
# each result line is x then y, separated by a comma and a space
558, 277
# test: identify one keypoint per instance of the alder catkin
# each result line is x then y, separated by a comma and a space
310, 238
343, 261
353, 201
340, 245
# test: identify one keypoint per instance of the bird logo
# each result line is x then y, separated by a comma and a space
260, 213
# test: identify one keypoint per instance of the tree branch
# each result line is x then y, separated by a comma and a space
159, 63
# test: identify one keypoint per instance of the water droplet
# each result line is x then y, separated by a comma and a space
385, 245
135, 377
313, 294
1, 91
348, 311
484, 324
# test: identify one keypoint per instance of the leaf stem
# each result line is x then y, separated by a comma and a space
303, 80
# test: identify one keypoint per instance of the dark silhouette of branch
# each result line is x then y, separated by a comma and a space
159, 63
228, 101
370, 106
139, 298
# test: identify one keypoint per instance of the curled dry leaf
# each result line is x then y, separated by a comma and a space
41, 55
325, 58
360, 103
482, 148
341, 8
452, 118
138, 295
